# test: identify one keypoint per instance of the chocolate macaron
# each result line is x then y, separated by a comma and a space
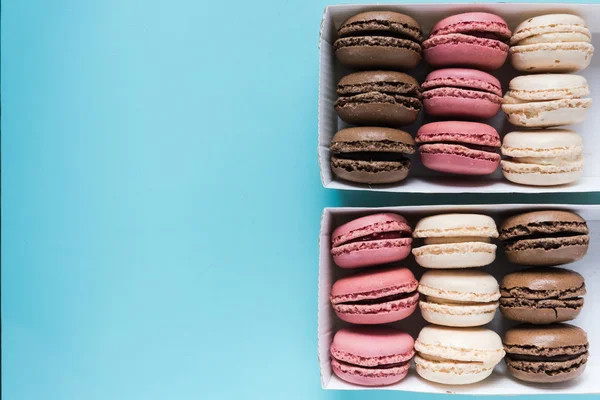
371, 154
381, 98
379, 39
545, 238
542, 295
546, 354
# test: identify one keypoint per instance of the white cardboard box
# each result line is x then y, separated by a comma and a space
421, 179
500, 383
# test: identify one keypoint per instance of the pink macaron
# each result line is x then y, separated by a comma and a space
371, 240
459, 147
375, 297
461, 93
474, 39
371, 355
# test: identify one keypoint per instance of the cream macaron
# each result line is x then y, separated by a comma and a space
542, 157
551, 43
457, 356
455, 241
458, 297
545, 100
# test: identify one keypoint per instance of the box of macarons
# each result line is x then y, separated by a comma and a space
453, 98
471, 299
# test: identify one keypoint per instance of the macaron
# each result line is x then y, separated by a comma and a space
371, 355
371, 240
546, 354
379, 40
474, 39
459, 147
455, 241
380, 98
551, 43
375, 297
458, 297
545, 100
545, 157
545, 238
371, 155
457, 356
461, 93
542, 295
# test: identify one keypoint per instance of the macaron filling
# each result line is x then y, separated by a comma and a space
546, 235
381, 91
374, 302
549, 366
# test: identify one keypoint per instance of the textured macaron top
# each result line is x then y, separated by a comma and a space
551, 28
372, 341
373, 138
378, 22
542, 222
362, 286
541, 340
472, 22
542, 143
555, 282
456, 225
368, 225
458, 132
545, 87
463, 78
460, 285
364, 81
461, 344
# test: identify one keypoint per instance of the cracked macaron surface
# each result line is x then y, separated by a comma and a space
542, 295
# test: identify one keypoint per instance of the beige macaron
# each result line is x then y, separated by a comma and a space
457, 356
542, 157
464, 297
546, 100
455, 241
551, 43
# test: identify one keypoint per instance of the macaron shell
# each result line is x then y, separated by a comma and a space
462, 286
456, 225
372, 346
460, 103
542, 143
472, 22
455, 255
552, 57
380, 313
462, 50
547, 113
458, 132
444, 161
535, 315
451, 373
456, 314
363, 283
542, 175
541, 257
369, 376
465, 78
367, 225
376, 252
378, 113
370, 172
539, 375
375, 53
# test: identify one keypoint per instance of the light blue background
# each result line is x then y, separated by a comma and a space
161, 200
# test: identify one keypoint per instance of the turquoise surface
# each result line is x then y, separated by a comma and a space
161, 200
